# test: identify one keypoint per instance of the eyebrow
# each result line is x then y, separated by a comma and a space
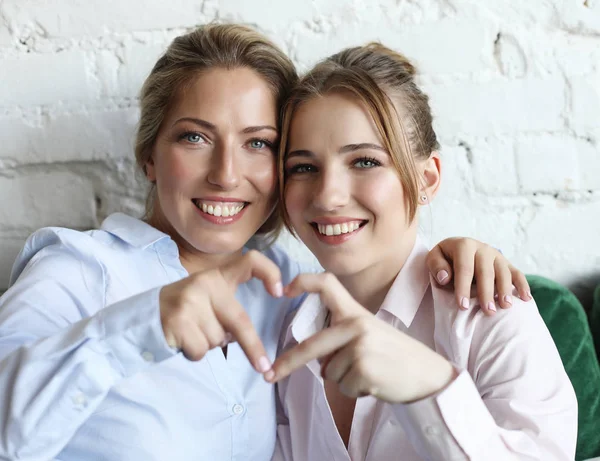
212, 127
344, 150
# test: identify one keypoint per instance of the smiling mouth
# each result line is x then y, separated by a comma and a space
339, 228
220, 209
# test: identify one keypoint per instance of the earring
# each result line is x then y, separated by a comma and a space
423, 199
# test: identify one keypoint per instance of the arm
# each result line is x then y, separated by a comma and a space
61, 351
516, 401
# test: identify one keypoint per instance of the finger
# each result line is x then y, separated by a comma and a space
353, 384
340, 362
319, 345
255, 265
464, 266
234, 319
330, 290
439, 266
484, 279
503, 282
194, 345
520, 282
213, 330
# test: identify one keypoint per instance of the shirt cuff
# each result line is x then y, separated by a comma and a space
453, 424
133, 332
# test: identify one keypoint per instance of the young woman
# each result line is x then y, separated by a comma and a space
359, 157
92, 327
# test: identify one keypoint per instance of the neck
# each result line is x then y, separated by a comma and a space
191, 259
370, 286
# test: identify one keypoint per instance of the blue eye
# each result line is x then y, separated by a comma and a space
192, 137
366, 163
259, 144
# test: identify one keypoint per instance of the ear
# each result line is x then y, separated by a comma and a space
431, 170
150, 170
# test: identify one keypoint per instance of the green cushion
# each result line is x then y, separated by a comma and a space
595, 319
568, 324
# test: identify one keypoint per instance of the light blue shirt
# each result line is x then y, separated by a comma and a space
86, 374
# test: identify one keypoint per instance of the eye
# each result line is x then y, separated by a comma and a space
301, 168
366, 162
192, 137
258, 144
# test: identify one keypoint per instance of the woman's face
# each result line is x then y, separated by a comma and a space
342, 193
214, 162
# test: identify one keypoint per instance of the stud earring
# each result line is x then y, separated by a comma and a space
423, 199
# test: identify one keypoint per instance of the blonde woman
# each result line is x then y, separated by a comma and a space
114, 342
382, 366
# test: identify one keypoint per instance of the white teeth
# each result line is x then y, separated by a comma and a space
220, 210
337, 229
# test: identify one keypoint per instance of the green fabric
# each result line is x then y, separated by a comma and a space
595, 319
568, 324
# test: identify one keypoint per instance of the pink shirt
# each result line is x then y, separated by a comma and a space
512, 399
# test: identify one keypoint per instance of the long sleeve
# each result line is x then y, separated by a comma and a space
512, 401
61, 350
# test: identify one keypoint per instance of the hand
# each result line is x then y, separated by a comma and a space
361, 353
490, 267
200, 312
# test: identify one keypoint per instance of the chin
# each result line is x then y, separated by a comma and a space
341, 265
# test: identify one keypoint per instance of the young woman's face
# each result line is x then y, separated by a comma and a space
342, 193
214, 162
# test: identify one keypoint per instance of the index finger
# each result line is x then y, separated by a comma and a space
235, 320
319, 345
332, 293
254, 265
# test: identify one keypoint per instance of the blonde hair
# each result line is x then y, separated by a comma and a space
210, 46
378, 77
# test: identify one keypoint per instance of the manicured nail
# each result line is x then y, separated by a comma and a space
508, 300
464, 303
264, 364
491, 306
269, 375
529, 295
278, 289
441, 276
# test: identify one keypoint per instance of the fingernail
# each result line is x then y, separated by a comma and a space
269, 375
441, 276
508, 300
464, 303
278, 289
529, 295
264, 364
491, 306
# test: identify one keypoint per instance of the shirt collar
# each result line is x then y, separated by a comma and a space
402, 300
133, 231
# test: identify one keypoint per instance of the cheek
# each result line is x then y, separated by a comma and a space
264, 176
296, 200
174, 169
384, 194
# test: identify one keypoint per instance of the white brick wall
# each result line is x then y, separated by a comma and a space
515, 88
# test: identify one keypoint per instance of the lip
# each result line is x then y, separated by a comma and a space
337, 239
221, 199
335, 220
221, 220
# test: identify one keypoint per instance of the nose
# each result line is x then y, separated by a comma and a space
224, 170
331, 192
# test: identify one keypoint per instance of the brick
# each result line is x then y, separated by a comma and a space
32, 80
432, 46
46, 199
80, 18
562, 239
498, 107
494, 170
9, 249
257, 12
585, 104
6, 38
69, 137
549, 163
581, 17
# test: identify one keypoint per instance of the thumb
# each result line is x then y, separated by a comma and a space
254, 265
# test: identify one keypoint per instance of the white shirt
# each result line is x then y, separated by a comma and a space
511, 401
85, 371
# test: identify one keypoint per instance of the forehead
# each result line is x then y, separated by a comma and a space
220, 95
335, 119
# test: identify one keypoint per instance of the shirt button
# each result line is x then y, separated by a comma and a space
148, 356
432, 431
79, 400
237, 409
